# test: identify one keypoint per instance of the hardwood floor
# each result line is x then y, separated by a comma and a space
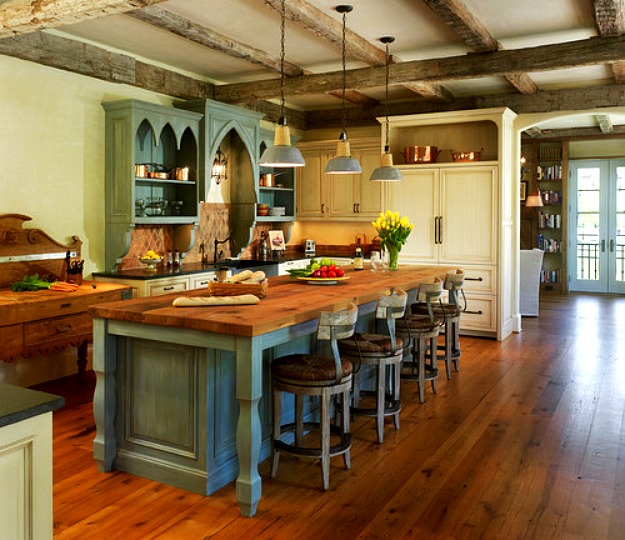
526, 441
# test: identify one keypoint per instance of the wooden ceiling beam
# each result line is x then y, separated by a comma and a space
329, 29
544, 101
24, 16
206, 37
476, 37
556, 56
610, 22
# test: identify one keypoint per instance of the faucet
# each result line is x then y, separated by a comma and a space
217, 256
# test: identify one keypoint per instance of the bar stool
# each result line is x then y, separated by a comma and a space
380, 351
420, 332
315, 375
449, 313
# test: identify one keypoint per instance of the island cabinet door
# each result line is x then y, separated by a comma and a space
417, 197
468, 228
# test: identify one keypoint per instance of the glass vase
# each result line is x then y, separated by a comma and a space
393, 256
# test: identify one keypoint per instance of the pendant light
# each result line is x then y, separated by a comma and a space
386, 172
282, 154
343, 162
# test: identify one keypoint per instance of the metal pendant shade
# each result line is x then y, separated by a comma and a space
282, 154
386, 172
343, 162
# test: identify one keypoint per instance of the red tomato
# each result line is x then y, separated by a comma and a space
324, 268
316, 273
340, 272
323, 274
332, 267
331, 273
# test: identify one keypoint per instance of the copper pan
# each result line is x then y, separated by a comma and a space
420, 154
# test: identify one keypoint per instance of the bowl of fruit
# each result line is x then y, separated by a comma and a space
151, 259
320, 272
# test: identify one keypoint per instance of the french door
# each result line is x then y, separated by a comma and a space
597, 226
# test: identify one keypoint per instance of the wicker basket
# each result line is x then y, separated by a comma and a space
218, 288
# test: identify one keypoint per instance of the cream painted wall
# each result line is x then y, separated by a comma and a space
608, 148
52, 155
52, 150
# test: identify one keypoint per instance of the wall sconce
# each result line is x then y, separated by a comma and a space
220, 164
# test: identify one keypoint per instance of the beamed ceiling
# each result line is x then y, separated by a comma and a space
534, 56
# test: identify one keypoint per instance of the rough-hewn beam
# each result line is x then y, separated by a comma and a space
86, 59
533, 132
610, 22
206, 37
542, 58
475, 36
322, 25
593, 97
23, 16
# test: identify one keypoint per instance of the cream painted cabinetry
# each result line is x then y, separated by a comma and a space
465, 213
338, 197
165, 285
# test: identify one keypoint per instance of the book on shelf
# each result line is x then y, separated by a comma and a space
549, 172
550, 196
549, 221
550, 276
548, 245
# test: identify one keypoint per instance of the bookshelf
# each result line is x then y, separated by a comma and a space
544, 227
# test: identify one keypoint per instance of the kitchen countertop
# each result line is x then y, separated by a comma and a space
282, 307
17, 403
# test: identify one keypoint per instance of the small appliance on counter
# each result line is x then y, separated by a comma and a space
310, 247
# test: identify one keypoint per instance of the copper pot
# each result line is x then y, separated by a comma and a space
466, 156
420, 154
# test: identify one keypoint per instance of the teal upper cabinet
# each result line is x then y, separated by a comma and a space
151, 169
236, 131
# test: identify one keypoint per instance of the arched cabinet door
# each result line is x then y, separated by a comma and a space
152, 169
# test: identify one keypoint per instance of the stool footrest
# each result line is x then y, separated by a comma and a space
335, 450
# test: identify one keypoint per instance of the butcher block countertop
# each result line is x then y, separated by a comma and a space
289, 302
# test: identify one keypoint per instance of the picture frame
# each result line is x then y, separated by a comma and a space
523, 193
276, 240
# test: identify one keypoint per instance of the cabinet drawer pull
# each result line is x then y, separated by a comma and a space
170, 288
479, 312
474, 278
323, 208
67, 304
205, 282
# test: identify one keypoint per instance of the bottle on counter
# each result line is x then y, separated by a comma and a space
263, 247
176, 259
359, 260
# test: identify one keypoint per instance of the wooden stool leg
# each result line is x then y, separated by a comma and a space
456, 346
380, 401
449, 337
299, 419
421, 357
345, 424
395, 378
325, 438
277, 420
356, 389
433, 361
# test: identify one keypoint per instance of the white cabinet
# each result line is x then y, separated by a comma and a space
454, 210
164, 285
339, 197
465, 213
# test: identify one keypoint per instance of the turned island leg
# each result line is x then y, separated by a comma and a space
249, 377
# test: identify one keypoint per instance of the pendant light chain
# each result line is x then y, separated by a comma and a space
386, 108
344, 67
282, 49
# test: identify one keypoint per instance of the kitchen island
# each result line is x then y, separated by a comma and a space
180, 391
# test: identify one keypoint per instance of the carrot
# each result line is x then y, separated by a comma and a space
64, 286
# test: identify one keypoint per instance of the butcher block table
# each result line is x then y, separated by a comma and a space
182, 394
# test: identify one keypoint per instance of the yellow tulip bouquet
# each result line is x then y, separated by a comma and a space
393, 231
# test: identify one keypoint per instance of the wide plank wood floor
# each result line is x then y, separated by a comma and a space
526, 441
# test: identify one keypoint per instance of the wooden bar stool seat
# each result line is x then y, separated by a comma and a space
420, 331
383, 352
315, 375
450, 313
